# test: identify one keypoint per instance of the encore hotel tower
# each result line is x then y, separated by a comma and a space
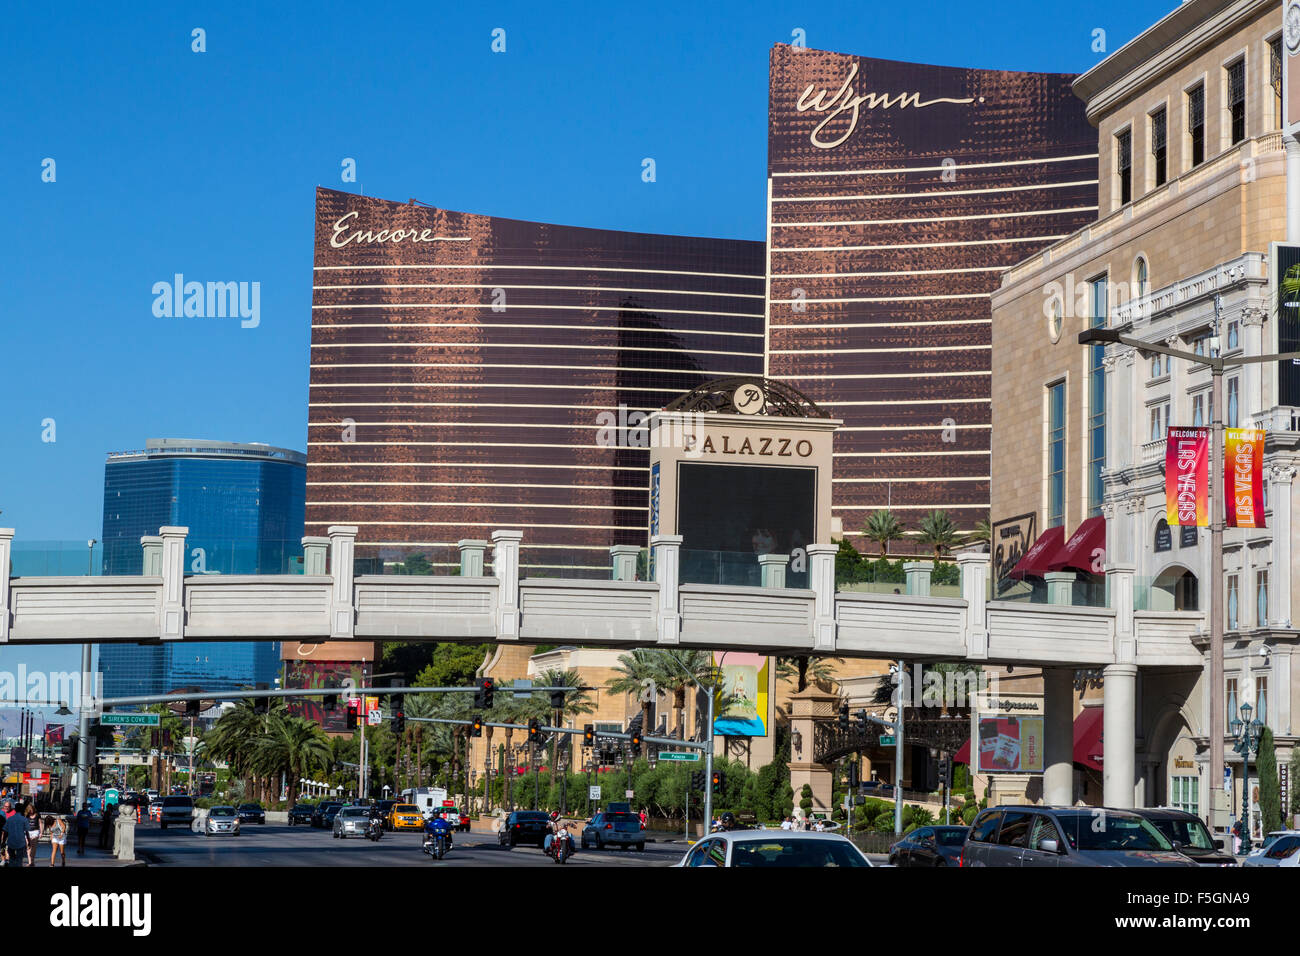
460, 362
897, 194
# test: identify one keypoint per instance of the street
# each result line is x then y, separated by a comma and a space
273, 845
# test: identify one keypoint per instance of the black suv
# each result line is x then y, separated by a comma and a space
251, 813
1189, 835
301, 813
323, 815
1030, 836
524, 826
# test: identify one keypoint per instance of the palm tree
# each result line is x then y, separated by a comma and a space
799, 669
983, 533
882, 527
937, 531
639, 673
673, 670
292, 746
420, 705
232, 737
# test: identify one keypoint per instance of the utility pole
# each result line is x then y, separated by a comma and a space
83, 717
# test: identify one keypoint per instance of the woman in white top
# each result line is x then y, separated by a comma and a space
57, 828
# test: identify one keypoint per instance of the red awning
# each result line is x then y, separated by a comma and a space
1037, 560
963, 755
1078, 552
1087, 738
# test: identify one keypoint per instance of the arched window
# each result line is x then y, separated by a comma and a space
1054, 321
1140, 277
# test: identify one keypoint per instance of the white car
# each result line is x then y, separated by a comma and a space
1282, 849
351, 821
222, 820
774, 848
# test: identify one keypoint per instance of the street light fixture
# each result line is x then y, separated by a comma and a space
1247, 732
1216, 363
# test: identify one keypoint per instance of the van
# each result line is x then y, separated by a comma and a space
428, 799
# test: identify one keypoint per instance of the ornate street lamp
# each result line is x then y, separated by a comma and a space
1247, 733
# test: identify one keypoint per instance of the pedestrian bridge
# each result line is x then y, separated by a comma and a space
330, 603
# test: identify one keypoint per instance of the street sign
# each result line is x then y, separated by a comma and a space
375, 717
593, 792
130, 720
677, 755
887, 741
629, 794
522, 684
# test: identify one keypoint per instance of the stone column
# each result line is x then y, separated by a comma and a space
1058, 733
806, 708
151, 548
6, 549
1292, 188
667, 550
821, 576
471, 557
1279, 499
974, 566
1250, 384
505, 568
1119, 583
1060, 587
314, 552
172, 618
772, 568
1119, 735
918, 577
622, 561
343, 549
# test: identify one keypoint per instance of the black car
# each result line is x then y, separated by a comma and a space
1189, 835
323, 815
524, 826
251, 813
929, 846
301, 813
385, 811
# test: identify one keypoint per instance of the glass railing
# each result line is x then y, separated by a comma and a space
126, 557
55, 558
1086, 591
430, 559
577, 564
739, 568
899, 587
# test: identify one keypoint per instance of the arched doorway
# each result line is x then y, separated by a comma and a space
1175, 589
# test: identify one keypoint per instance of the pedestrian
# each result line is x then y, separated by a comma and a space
1236, 838
16, 838
785, 823
57, 828
643, 817
105, 819
83, 827
33, 833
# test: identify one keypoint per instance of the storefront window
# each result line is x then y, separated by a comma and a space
1185, 793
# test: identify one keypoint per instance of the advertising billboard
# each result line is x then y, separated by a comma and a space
1284, 263
1010, 744
745, 679
320, 674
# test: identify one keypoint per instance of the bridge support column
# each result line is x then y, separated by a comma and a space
974, 566
151, 546
1058, 745
622, 562
505, 567
314, 556
1119, 734
1060, 587
171, 622
667, 549
471, 557
772, 568
918, 577
343, 550
821, 577
6, 547
806, 708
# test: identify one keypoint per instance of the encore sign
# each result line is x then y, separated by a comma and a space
1243, 457
1187, 474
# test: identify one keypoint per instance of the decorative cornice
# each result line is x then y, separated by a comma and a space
1282, 474
1251, 315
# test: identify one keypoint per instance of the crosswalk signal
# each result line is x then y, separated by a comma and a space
717, 781
588, 735
534, 730
352, 716
476, 726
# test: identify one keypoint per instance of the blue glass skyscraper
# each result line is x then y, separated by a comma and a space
243, 505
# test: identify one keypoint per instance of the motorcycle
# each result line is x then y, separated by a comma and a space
561, 850
436, 845
374, 830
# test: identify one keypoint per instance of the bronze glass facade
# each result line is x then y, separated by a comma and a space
897, 193
461, 364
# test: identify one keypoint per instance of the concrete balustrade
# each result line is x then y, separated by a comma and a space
315, 553
471, 557
772, 569
622, 562
917, 574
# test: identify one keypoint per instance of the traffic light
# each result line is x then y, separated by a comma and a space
534, 730
588, 735
69, 752
352, 717
191, 708
486, 686
945, 771
331, 701
397, 701
844, 718
399, 721
260, 704
635, 742
697, 780
557, 700
853, 775
476, 727
717, 781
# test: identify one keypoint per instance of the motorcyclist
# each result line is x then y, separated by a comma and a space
376, 815
560, 830
436, 826
729, 822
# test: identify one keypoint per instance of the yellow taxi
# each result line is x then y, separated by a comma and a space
406, 816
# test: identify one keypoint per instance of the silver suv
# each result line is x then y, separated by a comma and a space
1066, 836
176, 810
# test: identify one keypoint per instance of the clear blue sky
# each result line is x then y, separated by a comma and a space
206, 164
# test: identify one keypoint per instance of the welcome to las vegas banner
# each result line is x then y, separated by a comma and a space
1187, 476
